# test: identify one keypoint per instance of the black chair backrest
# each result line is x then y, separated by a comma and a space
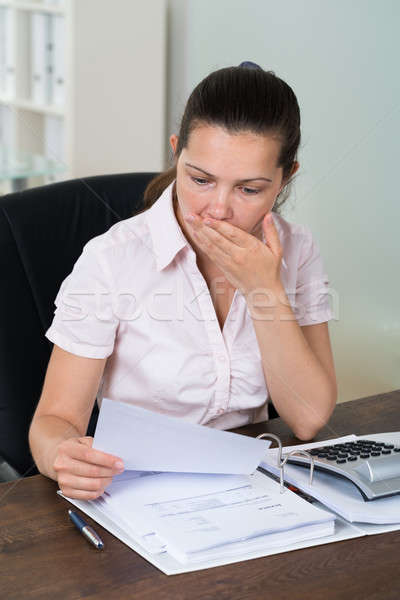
42, 233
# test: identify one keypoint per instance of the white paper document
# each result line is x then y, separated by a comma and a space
249, 511
149, 441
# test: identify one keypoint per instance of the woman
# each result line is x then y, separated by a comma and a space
193, 306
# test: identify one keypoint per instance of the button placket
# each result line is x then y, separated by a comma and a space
216, 338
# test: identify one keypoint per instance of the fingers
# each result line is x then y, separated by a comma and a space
215, 245
79, 450
217, 248
271, 234
83, 472
80, 494
228, 232
82, 487
84, 469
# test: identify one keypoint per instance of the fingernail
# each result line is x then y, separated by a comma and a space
119, 465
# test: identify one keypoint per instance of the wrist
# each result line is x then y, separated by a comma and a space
268, 302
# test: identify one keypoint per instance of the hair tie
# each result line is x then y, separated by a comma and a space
250, 65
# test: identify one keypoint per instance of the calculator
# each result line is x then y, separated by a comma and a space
373, 466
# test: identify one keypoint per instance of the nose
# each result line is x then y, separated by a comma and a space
219, 207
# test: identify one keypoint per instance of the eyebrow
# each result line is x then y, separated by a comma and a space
240, 181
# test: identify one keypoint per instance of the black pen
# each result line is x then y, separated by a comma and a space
86, 530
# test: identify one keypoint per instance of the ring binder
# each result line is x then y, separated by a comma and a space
281, 462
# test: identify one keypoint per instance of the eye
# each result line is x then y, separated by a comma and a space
251, 191
199, 180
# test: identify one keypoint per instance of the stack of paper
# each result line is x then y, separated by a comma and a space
220, 522
196, 516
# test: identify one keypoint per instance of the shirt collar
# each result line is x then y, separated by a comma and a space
166, 233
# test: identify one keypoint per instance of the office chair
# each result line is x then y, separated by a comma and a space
42, 234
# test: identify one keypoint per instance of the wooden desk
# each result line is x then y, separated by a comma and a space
42, 555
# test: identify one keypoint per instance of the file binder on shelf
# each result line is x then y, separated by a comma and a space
42, 59
7, 52
58, 58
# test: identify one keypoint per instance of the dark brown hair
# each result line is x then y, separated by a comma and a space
239, 99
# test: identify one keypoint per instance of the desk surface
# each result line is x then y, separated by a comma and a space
42, 555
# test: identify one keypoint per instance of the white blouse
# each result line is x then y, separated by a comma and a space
136, 296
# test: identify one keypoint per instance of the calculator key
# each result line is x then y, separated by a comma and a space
389, 446
386, 451
364, 455
352, 458
314, 451
331, 457
342, 455
375, 453
397, 449
341, 460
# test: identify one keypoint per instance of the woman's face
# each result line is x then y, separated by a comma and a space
228, 177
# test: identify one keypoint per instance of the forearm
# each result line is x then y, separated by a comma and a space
45, 433
301, 389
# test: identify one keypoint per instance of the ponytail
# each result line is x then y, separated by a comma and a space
157, 185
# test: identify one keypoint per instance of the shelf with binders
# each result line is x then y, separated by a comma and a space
86, 79
33, 113
54, 7
33, 60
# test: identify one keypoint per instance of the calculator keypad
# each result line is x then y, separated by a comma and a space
353, 451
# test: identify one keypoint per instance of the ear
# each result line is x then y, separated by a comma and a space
295, 168
173, 140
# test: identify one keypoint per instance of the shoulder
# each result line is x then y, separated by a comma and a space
301, 251
125, 241
126, 232
293, 236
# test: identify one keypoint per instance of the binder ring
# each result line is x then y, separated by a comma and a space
281, 462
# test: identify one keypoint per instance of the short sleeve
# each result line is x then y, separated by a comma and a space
84, 322
312, 300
